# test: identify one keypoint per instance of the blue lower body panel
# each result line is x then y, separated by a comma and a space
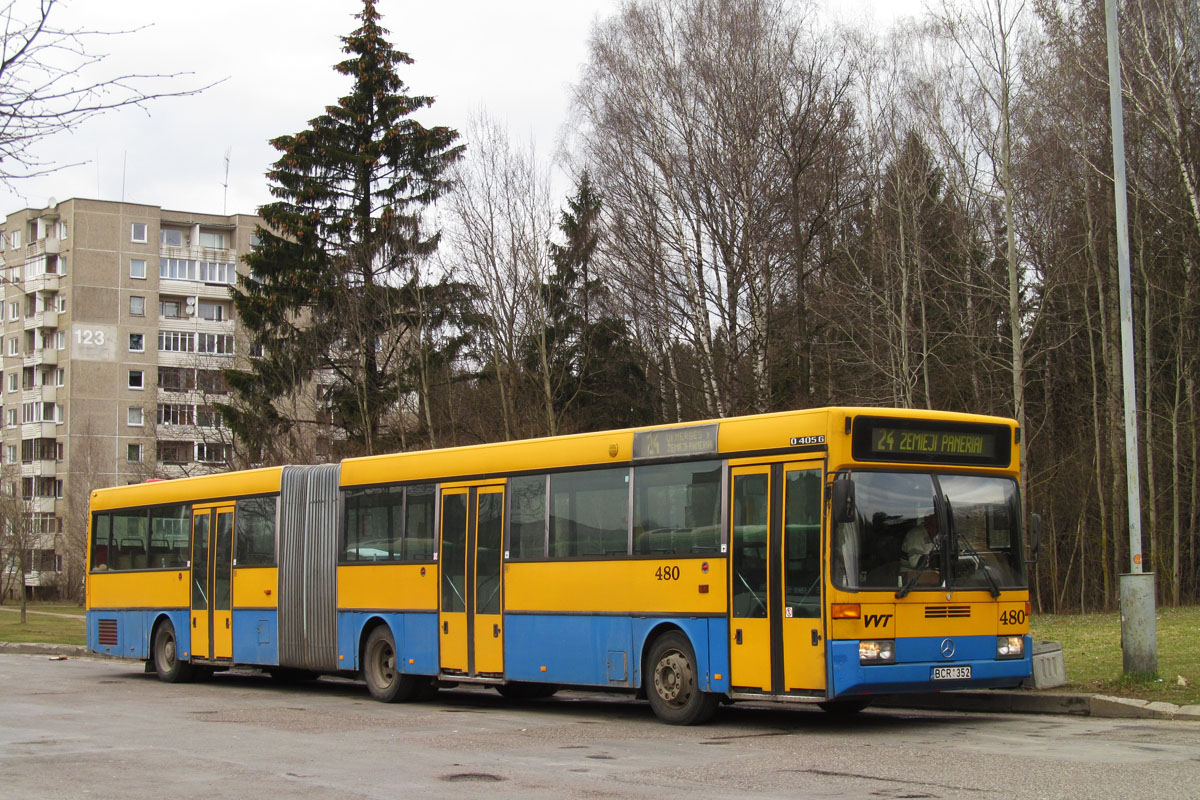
605, 650
915, 660
415, 635
127, 634
256, 637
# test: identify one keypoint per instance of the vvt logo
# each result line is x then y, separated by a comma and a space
877, 620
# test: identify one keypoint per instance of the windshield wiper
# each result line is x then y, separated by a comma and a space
973, 553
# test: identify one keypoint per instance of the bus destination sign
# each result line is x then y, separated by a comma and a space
951, 444
923, 441
694, 440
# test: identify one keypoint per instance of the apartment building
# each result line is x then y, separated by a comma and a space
117, 322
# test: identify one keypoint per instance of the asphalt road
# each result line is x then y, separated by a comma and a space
104, 729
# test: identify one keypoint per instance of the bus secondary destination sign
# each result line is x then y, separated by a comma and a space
694, 440
951, 444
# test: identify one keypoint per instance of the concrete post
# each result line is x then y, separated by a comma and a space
1139, 638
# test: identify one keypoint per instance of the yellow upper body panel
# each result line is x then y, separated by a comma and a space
203, 488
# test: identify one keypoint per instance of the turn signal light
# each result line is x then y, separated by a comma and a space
846, 611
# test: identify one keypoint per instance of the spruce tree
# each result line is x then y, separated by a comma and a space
334, 287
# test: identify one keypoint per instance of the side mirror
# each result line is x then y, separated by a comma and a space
843, 500
1035, 533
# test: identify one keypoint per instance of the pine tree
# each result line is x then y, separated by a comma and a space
334, 277
602, 383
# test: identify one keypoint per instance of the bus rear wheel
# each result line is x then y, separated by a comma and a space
671, 682
167, 665
381, 670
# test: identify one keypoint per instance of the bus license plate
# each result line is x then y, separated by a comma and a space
951, 673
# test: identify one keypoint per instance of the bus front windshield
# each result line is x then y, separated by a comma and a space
919, 531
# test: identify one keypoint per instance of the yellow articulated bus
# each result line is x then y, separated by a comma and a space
818, 556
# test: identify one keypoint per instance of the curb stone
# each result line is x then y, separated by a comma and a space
997, 701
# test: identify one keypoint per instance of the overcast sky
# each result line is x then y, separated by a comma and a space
274, 57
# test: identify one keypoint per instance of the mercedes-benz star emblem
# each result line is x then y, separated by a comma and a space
947, 648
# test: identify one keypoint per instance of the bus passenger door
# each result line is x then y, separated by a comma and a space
749, 608
776, 638
212, 573
222, 578
452, 568
803, 636
487, 590
201, 600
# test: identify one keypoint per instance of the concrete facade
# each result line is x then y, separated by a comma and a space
117, 322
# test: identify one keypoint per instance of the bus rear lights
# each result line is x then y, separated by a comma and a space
846, 611
1010, 647
876, 651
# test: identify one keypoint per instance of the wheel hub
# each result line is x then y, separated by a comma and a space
671, 677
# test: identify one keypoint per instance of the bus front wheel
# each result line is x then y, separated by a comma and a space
166, 655
671, 683
381, 671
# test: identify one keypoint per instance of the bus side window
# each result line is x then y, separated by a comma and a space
101, 540
254, 532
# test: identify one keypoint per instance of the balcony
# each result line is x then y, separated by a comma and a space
42, 283
45, 356
44, 319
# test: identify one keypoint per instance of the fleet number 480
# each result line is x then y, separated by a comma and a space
666, 573
1013, 616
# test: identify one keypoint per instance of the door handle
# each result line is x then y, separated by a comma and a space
816, 637
193, 622
495, 631
737, 637
227, 623
445, 627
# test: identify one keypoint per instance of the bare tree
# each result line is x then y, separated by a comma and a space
52, 80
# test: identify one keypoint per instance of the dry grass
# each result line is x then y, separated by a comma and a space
1092, 651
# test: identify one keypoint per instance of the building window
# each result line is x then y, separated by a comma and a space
133, 453
214, 239
170, 308
14, 311
179, 269
137, 232
176, 414
220, 344
172, 237
14, 346
12, 381
136, 379
174, 452
10, 417
217, 272
209, 453
15, 238
60, 340
176, 342
212, 312
60, 303
62, 230
10, 454
137, 268
135, 416
137, 306
137, 343
60, 377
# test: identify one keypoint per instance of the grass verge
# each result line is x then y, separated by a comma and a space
43, 628
1092, 652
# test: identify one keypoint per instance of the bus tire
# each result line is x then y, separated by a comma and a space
167, 665
380, 668
672, 685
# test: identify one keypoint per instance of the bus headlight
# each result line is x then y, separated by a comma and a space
1010, 647
876, 651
